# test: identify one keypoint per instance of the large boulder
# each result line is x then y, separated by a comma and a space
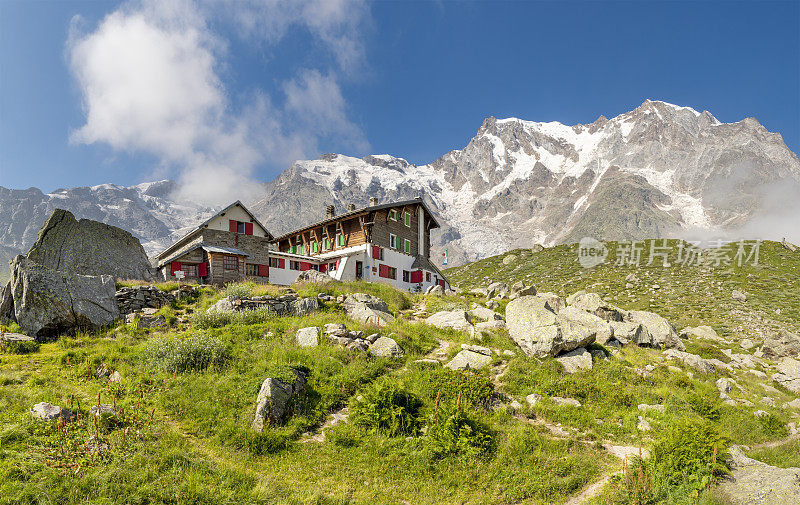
626, 332
89, 247
275, 399
483, 313
471, 357
552, 301
704, 332
314, 277
367, 309
788, 374
576, 361
540, 332
781, 345
497, 290
661, 332
48, 303
694, 361
594, 303
308, 337
456, 319
520, 289
577, 321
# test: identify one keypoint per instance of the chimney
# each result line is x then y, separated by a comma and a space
330, 211
373, 201
351, 207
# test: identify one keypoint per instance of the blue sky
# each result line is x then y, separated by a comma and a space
126, 92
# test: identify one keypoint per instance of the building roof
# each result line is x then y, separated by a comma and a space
205, 247
207, 221
358, 212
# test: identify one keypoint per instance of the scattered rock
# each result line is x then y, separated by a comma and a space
387, 347
577, 324
101, 409
538, 330
115, 377
483, 313
492, 304
308, 337
533, 399
46, 411
575, 361
315, 277
692, 360
509, 259
145, 299
643, 425
760, 413
435, 290
768, 401
594, 304
468, 359
456, 319
705, 332
497, 290
724, 385
566, 402
738, 296
151, 322
626, 332
746, 344
275, 399
520, 289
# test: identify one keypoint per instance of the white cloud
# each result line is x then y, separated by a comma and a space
150, 81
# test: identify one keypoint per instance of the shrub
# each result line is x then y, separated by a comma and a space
772, 425
22, 347
12, 327
344, 435
196, 352
385, 407
239, 291
457, 432
704, 406
448, 387
206, 320
690, 452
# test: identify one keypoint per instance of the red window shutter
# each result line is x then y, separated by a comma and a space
175, 266
233, 226
263, 270
304, 266
202, 269
441, 282
248, 228
281, 263
323, 268
376, 252
416, 276
383, 270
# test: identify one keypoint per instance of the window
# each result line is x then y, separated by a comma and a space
332, 266
393, 214
427, 276
391, 272
273, 263
407, 218
294, 265
406, 276
302, 249
239, 227
313, 246
327, 244
377, 252
393, 241
230, 263
189, 270
293, 249
250, 269
340, 239
407, 246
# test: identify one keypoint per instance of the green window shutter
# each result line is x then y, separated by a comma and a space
407, 246
408, 219
341, 239
293, 249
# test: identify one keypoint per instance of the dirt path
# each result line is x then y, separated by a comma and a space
775, 443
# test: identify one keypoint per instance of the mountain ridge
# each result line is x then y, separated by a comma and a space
658, 170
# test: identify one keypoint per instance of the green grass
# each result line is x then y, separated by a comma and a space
784, 456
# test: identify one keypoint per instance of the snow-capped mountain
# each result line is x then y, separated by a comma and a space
655, 171
649, 172
146, 210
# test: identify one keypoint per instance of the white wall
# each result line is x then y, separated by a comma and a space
237, 214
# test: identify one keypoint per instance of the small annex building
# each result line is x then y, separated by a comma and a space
231, 246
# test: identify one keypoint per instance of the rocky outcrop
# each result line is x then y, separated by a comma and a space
48, 303
788, 374
89, 247
755, 483
276, 399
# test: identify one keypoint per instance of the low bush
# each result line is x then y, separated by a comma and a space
705, 407
689, 452
385, 407
193, 353
12, 327
772, 426
21, 347
448, 387
456, 431
206, 320
239, 291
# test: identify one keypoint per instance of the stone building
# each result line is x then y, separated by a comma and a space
231, 246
